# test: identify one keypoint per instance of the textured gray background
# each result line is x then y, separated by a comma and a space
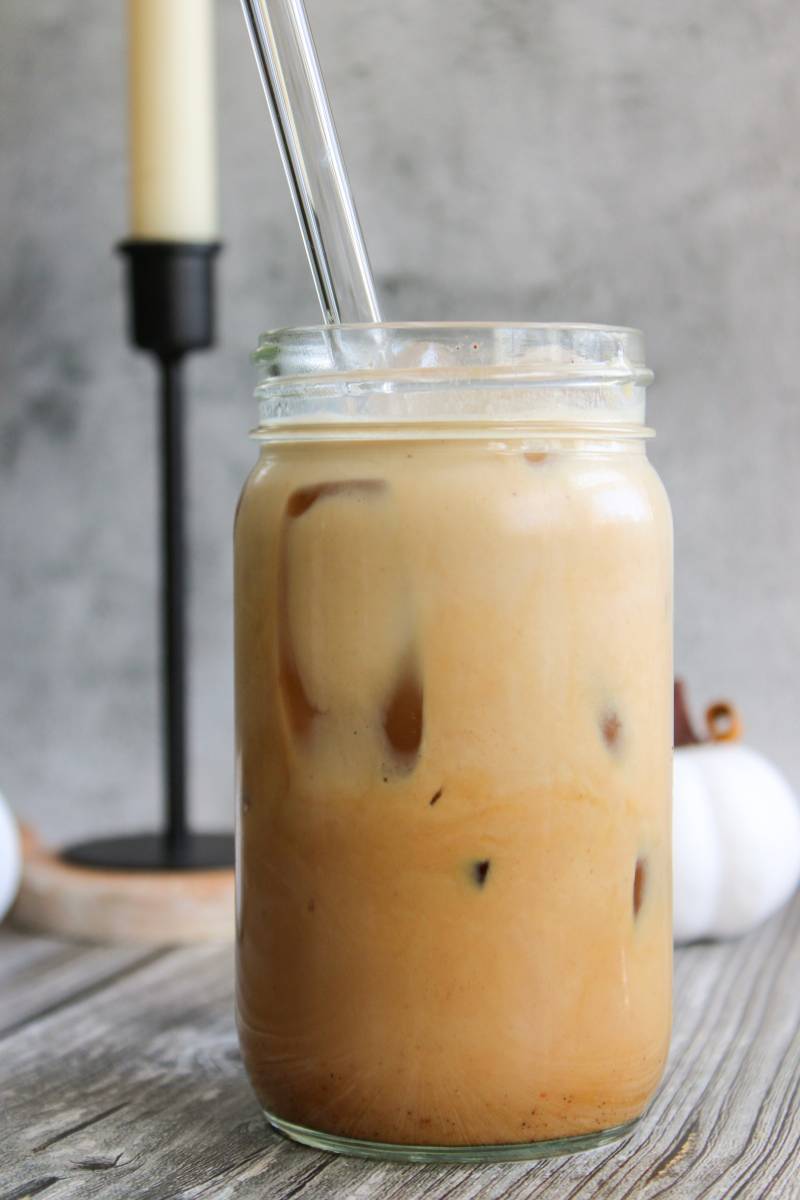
601, 160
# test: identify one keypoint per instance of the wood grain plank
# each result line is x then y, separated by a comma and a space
137, 1090
158, 1048
39, 973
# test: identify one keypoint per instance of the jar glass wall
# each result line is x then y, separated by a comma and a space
453, 690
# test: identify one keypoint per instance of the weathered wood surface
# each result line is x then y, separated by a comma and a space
38, 974
127, 1084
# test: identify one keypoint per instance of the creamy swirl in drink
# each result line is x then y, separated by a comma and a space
453, 693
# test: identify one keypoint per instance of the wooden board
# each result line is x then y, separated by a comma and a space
38, 974
134, 1088
122, 907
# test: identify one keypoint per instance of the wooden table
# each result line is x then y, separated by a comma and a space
120, 1077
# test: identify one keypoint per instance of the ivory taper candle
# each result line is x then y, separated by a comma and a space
173, 189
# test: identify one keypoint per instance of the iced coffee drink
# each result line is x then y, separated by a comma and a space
453, 692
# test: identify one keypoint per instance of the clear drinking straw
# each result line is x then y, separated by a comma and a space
290, 74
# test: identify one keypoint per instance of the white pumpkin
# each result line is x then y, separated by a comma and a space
10, 858
736, 834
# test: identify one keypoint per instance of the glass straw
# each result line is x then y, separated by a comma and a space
292, 81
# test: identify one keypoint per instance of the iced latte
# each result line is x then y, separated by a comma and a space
453, 692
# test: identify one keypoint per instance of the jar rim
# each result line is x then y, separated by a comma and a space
317, 327
416, 370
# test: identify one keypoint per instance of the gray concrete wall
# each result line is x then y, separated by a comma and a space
601, 160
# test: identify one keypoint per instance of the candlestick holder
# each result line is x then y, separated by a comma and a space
171, 313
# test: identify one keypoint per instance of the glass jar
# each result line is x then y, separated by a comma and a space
454, 711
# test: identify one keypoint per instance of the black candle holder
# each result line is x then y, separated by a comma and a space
171, 289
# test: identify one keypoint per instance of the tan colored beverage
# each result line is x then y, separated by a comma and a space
454, 680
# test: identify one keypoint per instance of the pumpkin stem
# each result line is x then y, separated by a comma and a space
684, 731
723, 722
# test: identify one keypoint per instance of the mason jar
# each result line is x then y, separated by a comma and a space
453, 574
